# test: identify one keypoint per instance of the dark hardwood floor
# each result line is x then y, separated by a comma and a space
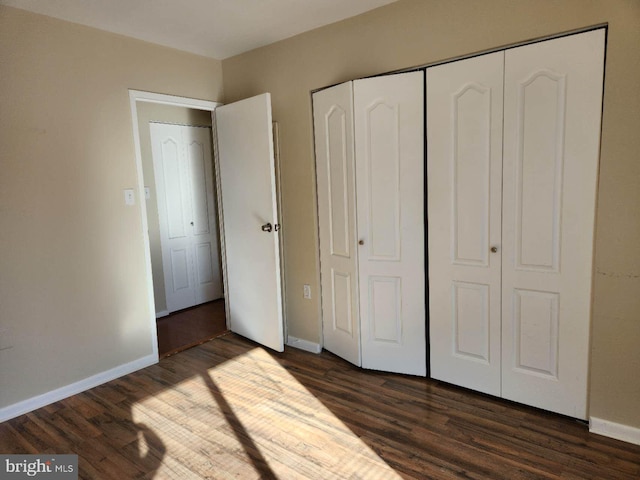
190, 327
231, 409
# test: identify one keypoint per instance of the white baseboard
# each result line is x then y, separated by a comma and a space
614, 430
303, 344
162, 313
61, 393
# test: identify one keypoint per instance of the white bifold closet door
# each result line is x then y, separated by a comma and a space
370, 171
336, 184
464, 178
183, 166
510, 286
553, 108
389, 140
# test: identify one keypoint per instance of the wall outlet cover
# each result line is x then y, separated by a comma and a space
129, 197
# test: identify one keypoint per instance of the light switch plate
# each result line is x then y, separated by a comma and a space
129, 197
307, 291
147, 193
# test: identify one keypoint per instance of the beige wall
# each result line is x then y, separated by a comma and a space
154, 112
417, 32
72, 266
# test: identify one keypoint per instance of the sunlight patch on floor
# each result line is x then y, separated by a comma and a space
250, 418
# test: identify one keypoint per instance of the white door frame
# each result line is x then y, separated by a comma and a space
149, 97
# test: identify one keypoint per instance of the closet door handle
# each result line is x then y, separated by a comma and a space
360, 242
494, 249
267, 227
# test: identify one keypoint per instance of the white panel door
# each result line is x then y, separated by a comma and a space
204, 232
464, 179
246, 183
335, 174
183, 167
552, 110
389, 145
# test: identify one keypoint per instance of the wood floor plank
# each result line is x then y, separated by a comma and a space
192, 326
231, 409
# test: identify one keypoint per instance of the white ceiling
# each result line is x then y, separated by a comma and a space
214, 28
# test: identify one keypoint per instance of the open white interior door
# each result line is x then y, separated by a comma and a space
249, 222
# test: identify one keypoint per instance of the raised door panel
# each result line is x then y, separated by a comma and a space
535, 332
335, 177
174, 180
385, 309
336, 163
389, 144
552, 105
471, 170
204, 264
382, 155
539, 169
200, 183
471, 321
341, 295
180, 270
464, 178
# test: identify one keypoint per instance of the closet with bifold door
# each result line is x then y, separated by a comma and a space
512, 147
512, 164
369, 141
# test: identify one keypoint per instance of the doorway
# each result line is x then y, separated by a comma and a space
243, 135
188, 324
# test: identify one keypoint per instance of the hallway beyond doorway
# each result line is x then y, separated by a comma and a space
190, 327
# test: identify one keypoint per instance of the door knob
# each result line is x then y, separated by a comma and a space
192, 224
267, 227
360, 242
494, 249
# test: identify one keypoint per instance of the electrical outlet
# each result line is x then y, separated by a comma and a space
129, 197
307, 291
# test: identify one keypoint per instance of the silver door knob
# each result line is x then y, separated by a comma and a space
267, 227
494, 249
